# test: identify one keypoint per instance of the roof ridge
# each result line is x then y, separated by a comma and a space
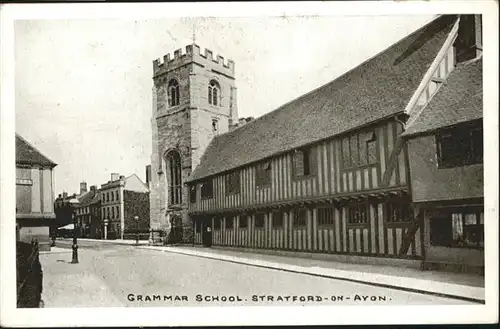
140, 180
386, 49
457, 69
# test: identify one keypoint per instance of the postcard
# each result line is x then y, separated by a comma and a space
208, 164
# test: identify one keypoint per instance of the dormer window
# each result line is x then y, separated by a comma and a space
173, 93
359, 149
263, 174
214, 93
303, 162
207, 190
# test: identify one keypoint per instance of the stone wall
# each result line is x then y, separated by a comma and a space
187, 127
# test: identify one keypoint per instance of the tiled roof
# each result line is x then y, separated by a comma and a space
28, 154
459, 100
87, 198
376, 89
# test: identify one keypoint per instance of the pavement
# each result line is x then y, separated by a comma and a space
124, 275
462, 286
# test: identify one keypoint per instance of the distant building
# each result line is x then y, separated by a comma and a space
88, 213
63, 210
34, 193
123, 198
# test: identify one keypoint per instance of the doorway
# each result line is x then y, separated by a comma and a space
207, 231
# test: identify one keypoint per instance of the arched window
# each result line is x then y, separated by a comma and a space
174, 176
214, 93
173, 92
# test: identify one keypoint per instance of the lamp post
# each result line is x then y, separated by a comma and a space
137, 230
106, 222
74, 203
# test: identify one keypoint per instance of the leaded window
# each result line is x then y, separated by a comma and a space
173, 92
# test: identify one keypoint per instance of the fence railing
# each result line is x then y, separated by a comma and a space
133, 236
29, 275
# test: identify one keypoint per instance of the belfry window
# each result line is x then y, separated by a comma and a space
173, 93
175, 183
214, 93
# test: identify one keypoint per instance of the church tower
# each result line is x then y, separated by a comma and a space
194, 99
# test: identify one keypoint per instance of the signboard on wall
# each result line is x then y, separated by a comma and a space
24, 181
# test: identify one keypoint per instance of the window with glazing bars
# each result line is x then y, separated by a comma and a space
217, 223
357, 214
233, 183
398, 212
460, 145
259, 220
243, 221
207, 190
214, 93
277, 219
173, 93
359, 149
299, 217
229, 223
325, 216
175, 183
263, 174
303, 162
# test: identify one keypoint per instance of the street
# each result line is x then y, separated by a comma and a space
119, 275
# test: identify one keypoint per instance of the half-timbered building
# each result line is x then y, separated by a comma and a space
327, 172
445, 144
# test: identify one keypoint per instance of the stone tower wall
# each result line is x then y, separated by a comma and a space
186, 127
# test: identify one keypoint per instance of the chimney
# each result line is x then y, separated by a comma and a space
115, 176
469, 42
148, 175
233, 107
65, 195
83, 187
93, 189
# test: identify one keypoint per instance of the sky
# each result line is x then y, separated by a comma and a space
83, 88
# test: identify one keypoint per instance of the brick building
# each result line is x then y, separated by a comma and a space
88, 212
34, 193
332, 171
122, 198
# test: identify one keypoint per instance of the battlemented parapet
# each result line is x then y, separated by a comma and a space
193, 54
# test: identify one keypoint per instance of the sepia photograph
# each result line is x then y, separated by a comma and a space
258, 166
